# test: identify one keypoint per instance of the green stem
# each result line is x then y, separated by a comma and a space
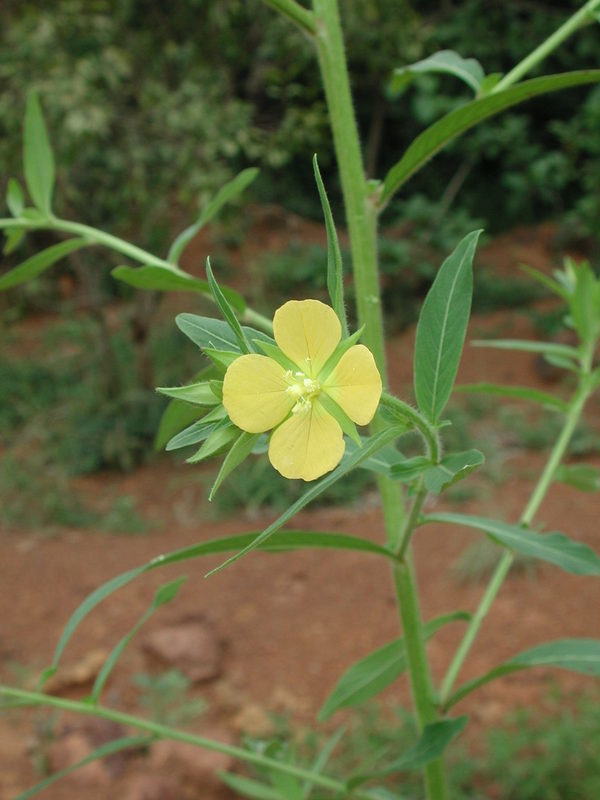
418, 667
505, 563
412, 519
295, 12
26, 698
405, 412
551, 43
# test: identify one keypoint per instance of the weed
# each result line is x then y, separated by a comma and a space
167, 697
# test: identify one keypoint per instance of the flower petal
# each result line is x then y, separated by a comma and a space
355, 384
308, 332
307, 445
254, 393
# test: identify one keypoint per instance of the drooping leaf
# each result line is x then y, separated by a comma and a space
15, 199
40, 262
469, 70
518, 392
226, 310
285, 541
554, 547
373, 673
335, 275
576, 655
438, 135
452, 468
442, 327
238, 453
584, 477
227, 193
373, 445
38, 160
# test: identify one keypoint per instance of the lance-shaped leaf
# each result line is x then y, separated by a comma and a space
584, 477
40, 262
38, 160
335, 280
452, 468
372, 674
197, 431
517, 392
15, 199
442, 327
576, 655
226, 310
14, 237
430, 745
215, 334
469, 70
438, 135
217, 440
198, 393
286, 541
556, 548
239, 452
225, 195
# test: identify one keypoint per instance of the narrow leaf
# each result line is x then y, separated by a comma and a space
38, 161
468, 70
176, 416
286, 541
248, 787
584, 477
116, 746
526, 346
14, 237
198, 393
576, 655
438, 135
222, 435
225, 195
226, 310
40, 262
442, 327
556, 548
240, 451
431, 744
335, 279
550, 284
15, 199
453, 468
374, 444
518, 392
375, 672
408, 469
216, 333
197, 431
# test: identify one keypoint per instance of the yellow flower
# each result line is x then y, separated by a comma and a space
260, 394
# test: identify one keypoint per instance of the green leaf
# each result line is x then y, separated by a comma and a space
438, 135
431, 744
525, 346
375, 672
286, 541
381, 463
218, 438
197, 431
341, 348
198, 393
240, 451
221, 358
14, 237
468, 70
554, 547
452, 468
176, 416
442, 327
553, 286
215, 333
373, 444
584, 477
124, 743
15, 199
40, 262
275, 353
340, 416
38, 161
335, 274
577, 655
164, 595
518, 392
225, 195
410, 468
248, 787
226, 310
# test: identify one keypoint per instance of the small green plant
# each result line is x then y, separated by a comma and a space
167, 697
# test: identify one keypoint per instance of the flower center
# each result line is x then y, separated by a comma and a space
303, 389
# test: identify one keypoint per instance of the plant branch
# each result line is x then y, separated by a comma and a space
574, 22
295, 13
24, 698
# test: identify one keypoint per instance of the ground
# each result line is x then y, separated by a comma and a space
289, 625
